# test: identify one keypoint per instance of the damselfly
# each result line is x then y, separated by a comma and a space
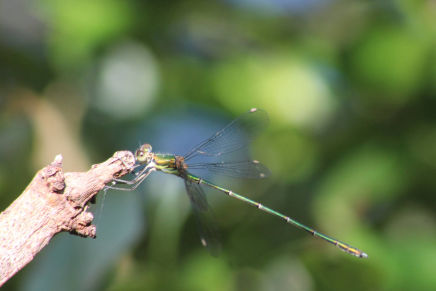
228, 142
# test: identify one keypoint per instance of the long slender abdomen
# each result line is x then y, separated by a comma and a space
343, 246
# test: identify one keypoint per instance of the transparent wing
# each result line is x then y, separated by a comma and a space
205, 221
243, 169
233, 137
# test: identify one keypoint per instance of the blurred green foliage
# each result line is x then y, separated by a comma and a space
350, 91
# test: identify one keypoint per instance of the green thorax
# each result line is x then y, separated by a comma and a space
166, 163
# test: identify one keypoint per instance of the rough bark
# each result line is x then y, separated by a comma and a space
53, 202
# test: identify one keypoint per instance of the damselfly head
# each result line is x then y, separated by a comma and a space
144, 155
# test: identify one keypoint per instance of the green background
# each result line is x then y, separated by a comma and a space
350, 90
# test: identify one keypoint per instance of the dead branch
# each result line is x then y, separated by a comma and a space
53, 202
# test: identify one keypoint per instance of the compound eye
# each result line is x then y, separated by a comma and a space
146, 147
139, 153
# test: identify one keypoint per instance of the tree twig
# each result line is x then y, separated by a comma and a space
53, 202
